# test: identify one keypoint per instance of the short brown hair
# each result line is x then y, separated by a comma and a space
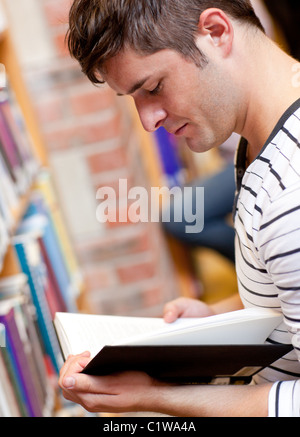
99, 29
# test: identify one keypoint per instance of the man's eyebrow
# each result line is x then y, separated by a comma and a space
135, 87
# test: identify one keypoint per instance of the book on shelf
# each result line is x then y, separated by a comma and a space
38, 218
231, 345
8, 203
15, 143
4, 240
24, 382
9, 406
20, 364
9, 199
33, 266
44, 185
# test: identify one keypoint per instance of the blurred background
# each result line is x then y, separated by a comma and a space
82, 138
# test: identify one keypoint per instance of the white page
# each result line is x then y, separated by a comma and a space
92, 332
247, 326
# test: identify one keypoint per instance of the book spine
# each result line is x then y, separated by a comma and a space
51, 251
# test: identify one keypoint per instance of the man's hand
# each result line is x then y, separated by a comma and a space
186, 307
122, 392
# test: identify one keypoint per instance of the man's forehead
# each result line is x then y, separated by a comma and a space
128, 70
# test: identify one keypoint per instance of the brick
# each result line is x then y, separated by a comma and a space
108, 160
137, 271
96, 131
50, 109
62, 137
98, 277
114, 246
85, 131
113, 302
153, 296
91, 100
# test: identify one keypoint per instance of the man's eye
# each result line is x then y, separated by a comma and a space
155, 90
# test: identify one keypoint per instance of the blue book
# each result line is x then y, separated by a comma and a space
32, 265
37, 217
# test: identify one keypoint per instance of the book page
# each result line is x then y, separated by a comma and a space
247, 326
91, 332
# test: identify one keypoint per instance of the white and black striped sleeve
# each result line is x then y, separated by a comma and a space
279, 237
284, 399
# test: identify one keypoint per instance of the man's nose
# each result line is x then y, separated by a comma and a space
152, 115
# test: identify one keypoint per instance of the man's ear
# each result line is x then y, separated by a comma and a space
217, 27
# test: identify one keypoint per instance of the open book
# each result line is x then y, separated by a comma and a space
189, 349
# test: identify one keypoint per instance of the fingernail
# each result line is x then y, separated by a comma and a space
69, 382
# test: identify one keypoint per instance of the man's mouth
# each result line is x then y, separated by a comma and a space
179, 132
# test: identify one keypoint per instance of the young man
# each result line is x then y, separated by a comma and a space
204, 69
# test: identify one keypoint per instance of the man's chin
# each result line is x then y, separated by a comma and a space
196, 146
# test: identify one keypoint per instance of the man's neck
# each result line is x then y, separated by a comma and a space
271, 92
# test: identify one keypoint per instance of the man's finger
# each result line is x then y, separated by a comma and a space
74, 364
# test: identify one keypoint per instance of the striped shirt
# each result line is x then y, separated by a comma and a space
267, 223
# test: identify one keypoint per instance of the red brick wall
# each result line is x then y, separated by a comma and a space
127, 268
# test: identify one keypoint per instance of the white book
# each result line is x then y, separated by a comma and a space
81, 332
190, 346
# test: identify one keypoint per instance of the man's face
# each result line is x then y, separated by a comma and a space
172, 92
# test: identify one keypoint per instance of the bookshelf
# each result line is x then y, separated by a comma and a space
38, 271
9, 59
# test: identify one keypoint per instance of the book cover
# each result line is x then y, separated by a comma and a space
188, 364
